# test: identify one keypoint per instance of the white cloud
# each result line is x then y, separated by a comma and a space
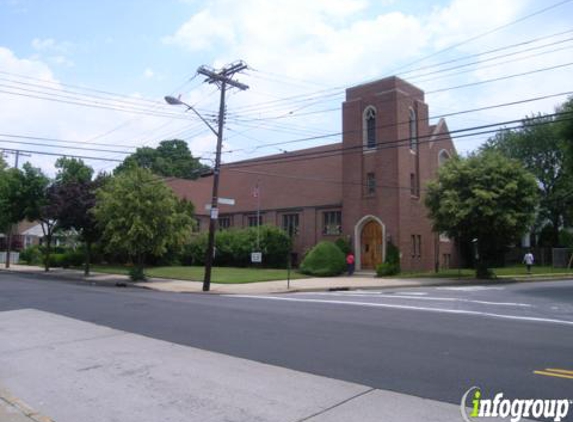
202, 31
51, 45
338, 43
22, 114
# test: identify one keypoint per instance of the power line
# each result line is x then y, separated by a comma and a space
8, 141
94, 105
386, 126
68, 155
340, 89
481, 130
501, 78
41, 138
483, 34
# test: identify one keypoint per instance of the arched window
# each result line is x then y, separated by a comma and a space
413, 126
370, 127
443, 156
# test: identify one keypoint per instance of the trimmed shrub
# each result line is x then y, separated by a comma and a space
391, 265
324, 260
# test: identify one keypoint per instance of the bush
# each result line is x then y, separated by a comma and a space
31, 255
344, 245
391, 265
324, 260
59, 260
137, 274
74, 258
234, 247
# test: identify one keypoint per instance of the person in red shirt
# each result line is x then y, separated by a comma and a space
350, 263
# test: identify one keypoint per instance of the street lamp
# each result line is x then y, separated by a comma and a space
214, 198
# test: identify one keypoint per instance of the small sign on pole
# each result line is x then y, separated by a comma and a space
256, 257
214, 213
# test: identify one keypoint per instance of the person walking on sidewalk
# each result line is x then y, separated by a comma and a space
350, 263
528, 260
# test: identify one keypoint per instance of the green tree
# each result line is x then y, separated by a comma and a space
140, 215
11, 204
73, 170
565, 128
74, 194
540, 148
171, 159
39, 205
486, 198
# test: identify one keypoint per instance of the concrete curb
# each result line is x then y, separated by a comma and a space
123, 281
22, 407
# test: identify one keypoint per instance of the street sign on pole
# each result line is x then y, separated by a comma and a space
256, 257
222, 201
226, 201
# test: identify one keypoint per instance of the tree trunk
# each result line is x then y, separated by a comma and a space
8, 245
47, 252
88, 259
555, 232
483, 262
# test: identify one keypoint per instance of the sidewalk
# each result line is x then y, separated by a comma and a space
15, 410
355, 282
77, 371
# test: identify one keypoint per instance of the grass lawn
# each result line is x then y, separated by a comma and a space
505, 272
223, 275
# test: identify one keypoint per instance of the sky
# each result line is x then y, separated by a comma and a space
87, 79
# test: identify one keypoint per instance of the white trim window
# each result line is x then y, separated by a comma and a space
413, 128
369, 124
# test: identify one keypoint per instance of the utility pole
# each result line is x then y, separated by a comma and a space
17, 153
222, 78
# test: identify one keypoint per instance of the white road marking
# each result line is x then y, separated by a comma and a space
413, 293
438, 299
471, 288
413, 308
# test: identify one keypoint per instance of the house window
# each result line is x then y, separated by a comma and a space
290, 224
370, 184
253, 221
446, 260
416, 245
224, 223
370, 127
413, 126
414, 188
332, 223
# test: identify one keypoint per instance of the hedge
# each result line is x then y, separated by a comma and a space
233, 247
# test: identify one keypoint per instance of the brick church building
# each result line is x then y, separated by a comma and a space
368, 189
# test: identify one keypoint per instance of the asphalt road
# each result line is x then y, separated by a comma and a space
428, 342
